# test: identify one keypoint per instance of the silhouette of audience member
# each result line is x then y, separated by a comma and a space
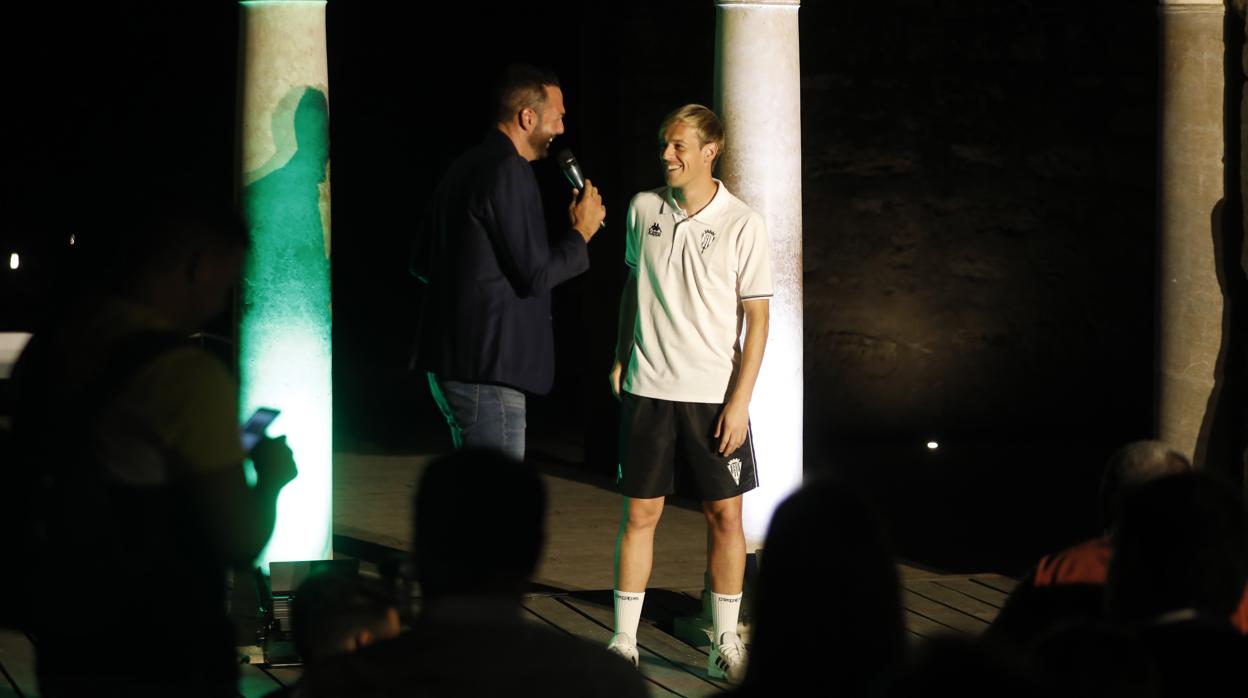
335, 613
848, 637
957, 666
479, 533
129, 471
1130, 466
1069, 585
1094, 659
1179, 568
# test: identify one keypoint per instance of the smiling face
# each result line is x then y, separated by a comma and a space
549, 122
686, 159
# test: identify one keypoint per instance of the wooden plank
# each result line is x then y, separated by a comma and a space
975, 590
953, 599
17, 656
910, 570
942, 614
995, 581
651, 638
921, 626
654, 668
558, 615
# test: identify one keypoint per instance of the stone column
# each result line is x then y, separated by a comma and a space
1190, 187
758, 96
284, 333
1240, 8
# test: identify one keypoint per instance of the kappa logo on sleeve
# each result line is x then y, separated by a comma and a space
655, 230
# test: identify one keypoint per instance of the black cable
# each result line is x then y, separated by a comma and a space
270, 675
17, 691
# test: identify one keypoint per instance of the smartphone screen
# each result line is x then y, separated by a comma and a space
253, 428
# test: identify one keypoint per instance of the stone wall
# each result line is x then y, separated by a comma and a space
979, 216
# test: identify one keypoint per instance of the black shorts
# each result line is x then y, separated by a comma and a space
655, 433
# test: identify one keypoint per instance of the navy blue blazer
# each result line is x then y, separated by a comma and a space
490, 266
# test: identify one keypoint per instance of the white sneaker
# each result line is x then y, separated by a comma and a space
623, 645
728, 658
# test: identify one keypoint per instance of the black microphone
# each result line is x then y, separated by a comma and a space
572, 170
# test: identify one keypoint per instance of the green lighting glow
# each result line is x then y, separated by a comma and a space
284, 333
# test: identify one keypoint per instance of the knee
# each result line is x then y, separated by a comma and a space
724, 519
644, 513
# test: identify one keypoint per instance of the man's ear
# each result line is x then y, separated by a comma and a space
710, 151
528, 118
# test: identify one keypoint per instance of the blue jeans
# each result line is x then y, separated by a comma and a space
482, 415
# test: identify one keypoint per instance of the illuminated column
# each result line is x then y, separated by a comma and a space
284, 333
758, 96
1190, 186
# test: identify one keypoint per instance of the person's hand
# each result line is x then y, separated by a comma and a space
275, 464
586, 211
732, 427
617, 373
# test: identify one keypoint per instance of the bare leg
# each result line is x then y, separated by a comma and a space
726, 551
634, 549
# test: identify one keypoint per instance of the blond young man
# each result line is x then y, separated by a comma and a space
699, 270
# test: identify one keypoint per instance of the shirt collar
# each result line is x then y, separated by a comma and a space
708, 212
500, 139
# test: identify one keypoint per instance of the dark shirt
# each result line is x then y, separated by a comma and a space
505, 656
490, 266
1198, 657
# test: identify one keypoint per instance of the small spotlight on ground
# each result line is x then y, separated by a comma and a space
72, 239
14, 261
932, 445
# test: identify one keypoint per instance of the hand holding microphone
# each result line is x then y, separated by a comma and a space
586, 211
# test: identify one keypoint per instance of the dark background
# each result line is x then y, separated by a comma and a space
979, 194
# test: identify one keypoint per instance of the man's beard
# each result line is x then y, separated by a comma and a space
540, 142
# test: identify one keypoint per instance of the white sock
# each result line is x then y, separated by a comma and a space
628, 611
724, 611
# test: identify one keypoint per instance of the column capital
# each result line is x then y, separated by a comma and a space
1200, 6
777, 3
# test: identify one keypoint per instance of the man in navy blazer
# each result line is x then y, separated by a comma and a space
485, 336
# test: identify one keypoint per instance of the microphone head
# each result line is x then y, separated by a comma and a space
571, 169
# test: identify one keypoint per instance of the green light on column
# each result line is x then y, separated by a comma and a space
284, 334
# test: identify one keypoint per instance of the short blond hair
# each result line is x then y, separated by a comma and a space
708, 126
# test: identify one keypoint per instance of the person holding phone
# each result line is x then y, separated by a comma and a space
253, 429
130, 483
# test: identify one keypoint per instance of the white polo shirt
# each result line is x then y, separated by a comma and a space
692, 275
